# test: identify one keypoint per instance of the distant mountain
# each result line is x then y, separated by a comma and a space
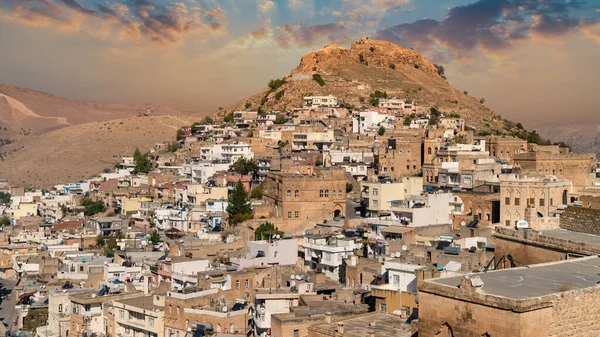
80, 151
581, 137
46, 140
369, 65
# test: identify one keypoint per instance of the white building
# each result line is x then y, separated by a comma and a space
226, 152
426, 210
265, 253
277, 301
327, 253
391, 103
371, 121
320, 101
400, 276
185, 273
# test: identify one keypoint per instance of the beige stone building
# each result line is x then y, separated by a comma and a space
577, 167
506, 148
553, 299
543, 194
309, 195
378, 196
399, 157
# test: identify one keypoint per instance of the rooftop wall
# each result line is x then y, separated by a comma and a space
579, 219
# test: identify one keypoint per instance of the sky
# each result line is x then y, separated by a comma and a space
534, 61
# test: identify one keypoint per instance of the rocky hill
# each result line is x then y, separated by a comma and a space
581, 137
81, 151
369, 65
26, 112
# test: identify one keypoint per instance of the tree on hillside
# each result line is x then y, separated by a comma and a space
99, 241
4, 221
244, 166
154, 238
263, 229
92, 207
280, 119
238, 207
142, 162
4, 197
110, 246
228, 118
179, 135
381, 131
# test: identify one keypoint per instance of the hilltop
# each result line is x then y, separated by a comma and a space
26, 112
81, 151
370, 65
581, 137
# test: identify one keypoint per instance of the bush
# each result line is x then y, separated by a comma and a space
317, 78
280, 119
244, 166
256, 193
392, 66
381, 131
228, 117
142, 162
408, 119
92, 207
179, 135
482, 100
279, 94
349, 187
520, 126
4, 221
247, 105
275, 84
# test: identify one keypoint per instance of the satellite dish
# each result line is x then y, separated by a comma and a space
298, 277
308, 279
522, 224
206, 277
292, 277
397, 312
404, 248
261, 309
225, 309
462, 223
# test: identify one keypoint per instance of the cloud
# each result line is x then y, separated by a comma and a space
152, 21
304, 36
489, 25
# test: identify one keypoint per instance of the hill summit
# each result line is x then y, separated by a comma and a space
353, 74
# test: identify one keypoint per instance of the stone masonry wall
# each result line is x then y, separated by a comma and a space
579, 219
576, 313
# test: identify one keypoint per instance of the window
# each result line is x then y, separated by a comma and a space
127, 331
296, 333
187, 324
178, 310
542, 202
531, 201
400, 152
320, 193
296, 214
177, 334
467, 180
333, 193
517, 201
408, 152
382, 307
551, 202
326, 193
296, 194
237, 284
170, 309
151, 322
326, 256
340, 193
60, 308
396, 280
289, 193
247, 284
375, 203
375, 191
428, 150
507, 201
88, 307
289, 215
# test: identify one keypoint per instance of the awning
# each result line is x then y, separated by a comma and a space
29, 294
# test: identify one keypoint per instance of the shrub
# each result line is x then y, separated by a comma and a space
349, 187
247, 105
279, 94
317, 78
381, 131
256, 193
228, 118
392, 66
275, 84
280, 119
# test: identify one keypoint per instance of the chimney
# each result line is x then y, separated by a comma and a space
340, 328
328, 317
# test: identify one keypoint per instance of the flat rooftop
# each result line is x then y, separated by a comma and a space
143, 302
573, 236
384, 325
536, 280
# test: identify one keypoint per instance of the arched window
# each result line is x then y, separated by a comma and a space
170, 309
429, 150
178, 310
340, 193
333, 193
187, 324
296, 193
289, 193
321, 193
237, 284
60, 308
326, 193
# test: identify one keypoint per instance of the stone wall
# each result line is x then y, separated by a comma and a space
576, 314
550, 242
579, 219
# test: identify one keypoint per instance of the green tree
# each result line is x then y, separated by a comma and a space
244, 166
154, 238
228, 117
92, 207
319, 162
4, 221
238, 207
275, 84
4, 197
349, 187
256, 193
408, 119
172, 147
179, 135
64, 209
247, 105
280, 119
520, 126
99, 241
262, 229
110, 246
142, 162
317, 78
279, 94
207, 121
381, 131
